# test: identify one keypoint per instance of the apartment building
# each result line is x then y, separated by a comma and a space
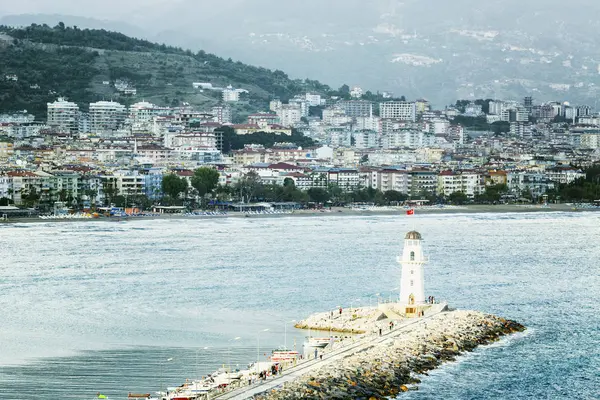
222, 114
422, 181
346, 179
386, 179
468, 182
356, 108
64, 116
106, 116
402, 110
365, 139
289, 114
564, 174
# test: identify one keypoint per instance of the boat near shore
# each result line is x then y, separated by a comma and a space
320, 342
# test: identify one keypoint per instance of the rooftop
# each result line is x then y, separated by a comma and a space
413, 235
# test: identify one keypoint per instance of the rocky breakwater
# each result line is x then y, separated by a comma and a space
352, 320
390, 366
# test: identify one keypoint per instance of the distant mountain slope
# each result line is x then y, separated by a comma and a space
64, 61
438, 49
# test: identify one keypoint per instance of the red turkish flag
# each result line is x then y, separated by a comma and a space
410, 212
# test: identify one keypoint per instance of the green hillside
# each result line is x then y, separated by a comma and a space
75, 63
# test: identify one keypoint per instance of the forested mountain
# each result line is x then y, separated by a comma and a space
39, 63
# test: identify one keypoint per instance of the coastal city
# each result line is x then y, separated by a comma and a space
311, 148
275, 200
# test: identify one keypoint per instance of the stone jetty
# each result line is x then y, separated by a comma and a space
392, 365
354, 320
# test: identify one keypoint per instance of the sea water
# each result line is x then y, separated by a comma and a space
133, 306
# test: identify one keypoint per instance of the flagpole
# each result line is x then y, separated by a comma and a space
411, 212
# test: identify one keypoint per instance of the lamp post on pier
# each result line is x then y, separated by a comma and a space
162, 366
352, 308
258, 349
392, 291
371, 297
197, 369
229, 351
352, 319
285, 332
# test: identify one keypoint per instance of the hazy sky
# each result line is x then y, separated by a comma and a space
105, 9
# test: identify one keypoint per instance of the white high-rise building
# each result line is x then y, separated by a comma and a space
106, 116
403, 110
335, 116
371, 123
302, 103
290, 114
412, 282
144, 111
365, 139
230, 95
313, 99
223, 114
64, 115
275, 105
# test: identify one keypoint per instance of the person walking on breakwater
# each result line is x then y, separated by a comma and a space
316, 353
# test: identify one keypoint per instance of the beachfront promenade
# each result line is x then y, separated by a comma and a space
329, 358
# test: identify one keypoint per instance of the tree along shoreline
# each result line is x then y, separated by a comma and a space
205, 192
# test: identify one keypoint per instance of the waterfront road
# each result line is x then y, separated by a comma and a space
293, 373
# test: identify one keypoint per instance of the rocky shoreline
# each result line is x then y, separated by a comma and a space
390, 367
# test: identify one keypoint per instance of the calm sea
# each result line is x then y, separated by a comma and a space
114, 307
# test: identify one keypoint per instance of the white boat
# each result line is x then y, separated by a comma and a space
284, 356
319, 342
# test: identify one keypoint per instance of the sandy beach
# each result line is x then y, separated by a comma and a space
342, 211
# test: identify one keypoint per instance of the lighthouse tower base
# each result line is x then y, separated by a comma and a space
415, 310
421, 310
397, 311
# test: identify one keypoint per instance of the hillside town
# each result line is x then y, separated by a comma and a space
472, 151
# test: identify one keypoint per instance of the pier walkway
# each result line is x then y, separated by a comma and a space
337, 354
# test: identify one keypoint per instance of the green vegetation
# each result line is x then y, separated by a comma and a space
205, 180
173, 186
458, 198
73, 62
137, 200
232, 141
250, 189
584, 189
492, 194
43, 76
481, 124
462, 104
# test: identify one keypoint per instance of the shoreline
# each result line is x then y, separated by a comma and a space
391, 366
337, 211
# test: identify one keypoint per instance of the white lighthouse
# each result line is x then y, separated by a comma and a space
412, 285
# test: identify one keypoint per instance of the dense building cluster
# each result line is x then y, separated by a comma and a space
90, 156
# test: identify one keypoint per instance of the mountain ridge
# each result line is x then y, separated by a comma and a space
75, 63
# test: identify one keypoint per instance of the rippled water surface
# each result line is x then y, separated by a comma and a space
89, 307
